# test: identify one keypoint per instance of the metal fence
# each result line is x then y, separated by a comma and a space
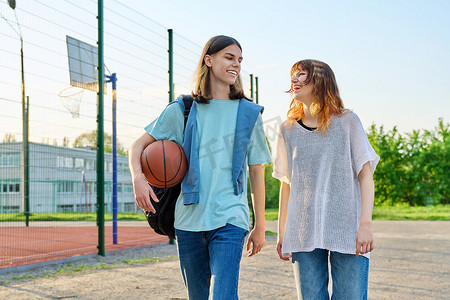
59, 121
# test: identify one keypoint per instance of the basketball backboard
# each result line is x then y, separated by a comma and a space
83, 62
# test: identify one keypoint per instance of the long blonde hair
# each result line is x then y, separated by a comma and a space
202, 90
328, 101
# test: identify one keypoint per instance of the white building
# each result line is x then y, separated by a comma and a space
62, 179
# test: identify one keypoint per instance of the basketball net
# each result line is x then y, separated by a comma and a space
71, 99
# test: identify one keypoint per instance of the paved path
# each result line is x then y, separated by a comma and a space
411, 260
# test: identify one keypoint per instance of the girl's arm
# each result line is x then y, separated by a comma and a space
257, 236
364, 236
140, 186
285, 190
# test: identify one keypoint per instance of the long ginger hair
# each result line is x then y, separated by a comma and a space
202, 89
325, 91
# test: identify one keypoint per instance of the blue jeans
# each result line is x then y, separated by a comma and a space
350, 275
210, 261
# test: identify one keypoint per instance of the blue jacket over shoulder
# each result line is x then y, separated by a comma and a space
247, 116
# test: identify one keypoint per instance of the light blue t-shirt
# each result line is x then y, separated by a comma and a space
216, 124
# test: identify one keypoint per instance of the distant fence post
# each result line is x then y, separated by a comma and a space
251, 86
256, 90
170, 51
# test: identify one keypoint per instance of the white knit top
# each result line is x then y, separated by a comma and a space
322, 170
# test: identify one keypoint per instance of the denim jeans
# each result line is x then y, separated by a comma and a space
350, 274
210, 261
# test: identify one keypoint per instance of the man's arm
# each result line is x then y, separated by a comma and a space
142, 190
257, 236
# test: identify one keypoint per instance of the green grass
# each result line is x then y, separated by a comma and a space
271, 214
436, 212
81, 267
423, 213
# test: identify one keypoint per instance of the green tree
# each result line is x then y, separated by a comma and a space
89, 139
9, 137
430, 171
65, 142
414, 167
416, 183
272, 187
388, 175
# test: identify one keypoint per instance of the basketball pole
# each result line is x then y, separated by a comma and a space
100, 144
113, 80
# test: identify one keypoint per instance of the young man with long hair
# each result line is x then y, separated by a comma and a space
223, 136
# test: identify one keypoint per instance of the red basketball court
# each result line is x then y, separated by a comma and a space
26, 245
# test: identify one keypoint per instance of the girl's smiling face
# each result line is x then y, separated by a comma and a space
301, 89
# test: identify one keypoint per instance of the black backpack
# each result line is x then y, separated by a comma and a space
162, 221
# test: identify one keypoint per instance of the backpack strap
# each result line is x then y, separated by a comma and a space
188, 100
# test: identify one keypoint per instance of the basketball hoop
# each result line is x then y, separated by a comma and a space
71, 99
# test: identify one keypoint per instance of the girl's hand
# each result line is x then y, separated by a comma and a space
279, 250
364, 239
143, 191
255, 241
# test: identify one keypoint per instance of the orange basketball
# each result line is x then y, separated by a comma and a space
164, 164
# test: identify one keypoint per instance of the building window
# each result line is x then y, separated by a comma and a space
90, 165
129, 207
10, 159
10, 188
108, 166
10, 209
119, 187
14, 188
123, 167
65, 208
83, 207
66, 187
79, 163
68, 162
64, 162
60, 161
128, 187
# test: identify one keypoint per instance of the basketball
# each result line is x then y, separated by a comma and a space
163, 164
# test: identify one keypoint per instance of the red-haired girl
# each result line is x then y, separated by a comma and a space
325, 164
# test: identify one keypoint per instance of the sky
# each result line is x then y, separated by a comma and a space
390, 58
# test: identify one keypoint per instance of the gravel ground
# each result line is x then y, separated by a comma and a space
411, 260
